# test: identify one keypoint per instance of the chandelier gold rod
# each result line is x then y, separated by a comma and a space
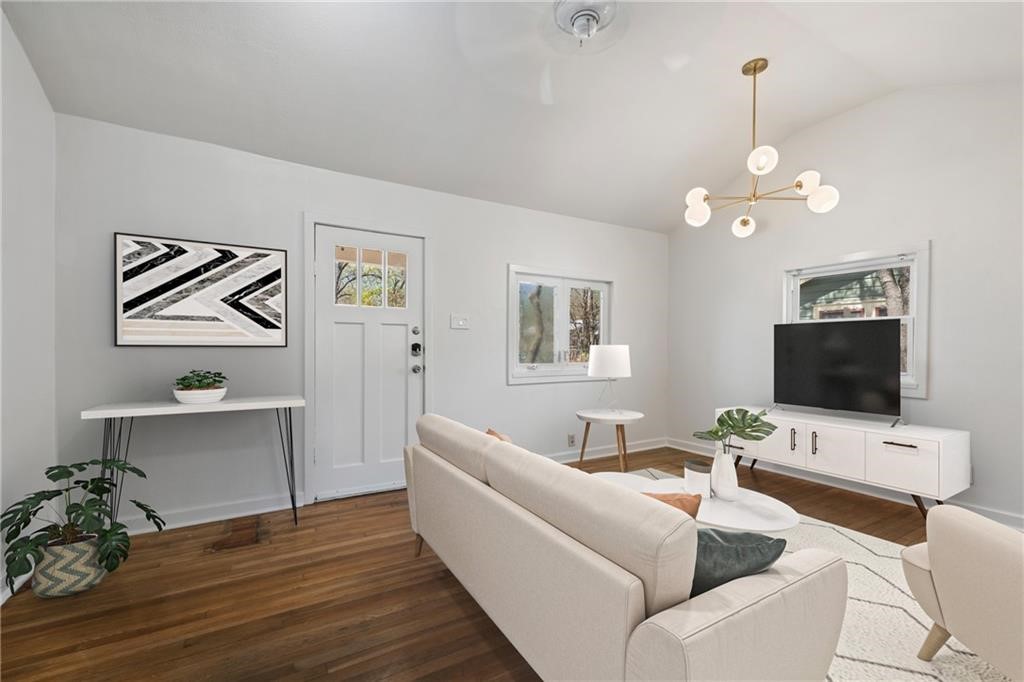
727, 198
731, 203
776, 191
783, 198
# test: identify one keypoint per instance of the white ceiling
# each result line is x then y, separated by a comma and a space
489, 100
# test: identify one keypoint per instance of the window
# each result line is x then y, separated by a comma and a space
866, 286
369, 277
553, 321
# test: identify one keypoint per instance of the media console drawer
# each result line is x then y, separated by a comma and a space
907, 463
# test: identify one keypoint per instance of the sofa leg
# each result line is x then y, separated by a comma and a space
419, 544
933, 642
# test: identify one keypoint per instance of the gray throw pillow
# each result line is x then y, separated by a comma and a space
723, 556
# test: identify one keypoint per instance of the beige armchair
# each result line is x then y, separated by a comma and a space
969, 578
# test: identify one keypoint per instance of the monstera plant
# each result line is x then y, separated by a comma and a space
82, 540
740, 423
735, 423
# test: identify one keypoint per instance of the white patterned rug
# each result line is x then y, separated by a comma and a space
884, 627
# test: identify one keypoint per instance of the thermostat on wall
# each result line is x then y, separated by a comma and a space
460, 321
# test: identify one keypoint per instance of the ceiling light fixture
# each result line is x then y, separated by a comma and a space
583, 20
761, 161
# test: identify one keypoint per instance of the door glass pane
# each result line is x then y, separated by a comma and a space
584, 322
536, 323
884, 292
345, 260
396, 279
372, 277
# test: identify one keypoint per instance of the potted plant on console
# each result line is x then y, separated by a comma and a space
740, 423
200, 386
80, 544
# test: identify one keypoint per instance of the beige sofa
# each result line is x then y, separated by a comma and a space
589, 580
969, 579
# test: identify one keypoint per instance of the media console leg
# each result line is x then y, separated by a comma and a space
737, 462
920, 505
753, 463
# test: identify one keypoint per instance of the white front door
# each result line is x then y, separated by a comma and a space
369, 358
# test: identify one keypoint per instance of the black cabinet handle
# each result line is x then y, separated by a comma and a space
899, 445
814, 442
792, 440
736, 447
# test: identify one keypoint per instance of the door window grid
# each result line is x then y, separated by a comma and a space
369, 278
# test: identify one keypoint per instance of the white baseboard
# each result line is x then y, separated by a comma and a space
192, 516
606, 450
1003, 517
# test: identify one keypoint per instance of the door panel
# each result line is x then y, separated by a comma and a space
835, 451
369, 386
785, 445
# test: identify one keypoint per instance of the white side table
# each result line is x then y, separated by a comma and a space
617, 417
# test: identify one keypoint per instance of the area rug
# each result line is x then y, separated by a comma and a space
884, 627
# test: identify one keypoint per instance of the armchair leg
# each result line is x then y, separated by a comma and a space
419, 545
936, 638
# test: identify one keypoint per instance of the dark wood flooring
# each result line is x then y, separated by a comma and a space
340, 597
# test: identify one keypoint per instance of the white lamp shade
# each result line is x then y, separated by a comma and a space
823, 199
609, 362
696, 196
809, 181
698, 215
743, 227
763, 160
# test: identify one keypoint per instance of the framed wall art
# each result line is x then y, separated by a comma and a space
179, 292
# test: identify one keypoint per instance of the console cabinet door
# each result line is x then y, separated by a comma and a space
835, 451
786, 445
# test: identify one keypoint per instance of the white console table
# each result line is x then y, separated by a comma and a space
117, 434
918, 460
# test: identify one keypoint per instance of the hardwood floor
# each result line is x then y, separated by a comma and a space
340, 597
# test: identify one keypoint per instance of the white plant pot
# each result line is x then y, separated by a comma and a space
200, 397
724, 483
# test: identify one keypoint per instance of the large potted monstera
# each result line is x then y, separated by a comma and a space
82, 540
735, 423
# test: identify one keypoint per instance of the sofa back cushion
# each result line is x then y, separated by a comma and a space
457, 443
653, 541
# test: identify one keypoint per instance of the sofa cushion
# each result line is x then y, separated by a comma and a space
652, 540
457, 443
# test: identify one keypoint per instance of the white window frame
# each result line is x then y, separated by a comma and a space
913, 382
561, 370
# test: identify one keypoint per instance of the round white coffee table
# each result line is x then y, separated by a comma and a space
752, 511
609, 416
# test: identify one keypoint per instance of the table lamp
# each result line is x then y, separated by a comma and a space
609, 362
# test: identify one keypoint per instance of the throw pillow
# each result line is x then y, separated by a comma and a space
723, 556
688, 503
498, 435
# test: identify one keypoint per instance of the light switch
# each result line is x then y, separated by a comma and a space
460, 321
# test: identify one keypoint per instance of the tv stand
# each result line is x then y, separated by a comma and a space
920, 461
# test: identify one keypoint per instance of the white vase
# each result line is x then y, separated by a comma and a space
724, 483
200, 397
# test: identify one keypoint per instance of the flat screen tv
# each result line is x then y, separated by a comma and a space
852, 366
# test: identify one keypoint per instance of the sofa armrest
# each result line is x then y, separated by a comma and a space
780, 624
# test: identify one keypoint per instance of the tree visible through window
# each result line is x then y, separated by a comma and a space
584, 322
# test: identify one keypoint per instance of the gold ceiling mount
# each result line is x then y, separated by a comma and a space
755, 66
761, 161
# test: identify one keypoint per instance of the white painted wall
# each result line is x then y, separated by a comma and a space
27, 441
112, 178
941, 163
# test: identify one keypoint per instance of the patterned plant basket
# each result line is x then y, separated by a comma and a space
68, 569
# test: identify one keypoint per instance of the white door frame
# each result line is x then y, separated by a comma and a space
309, 222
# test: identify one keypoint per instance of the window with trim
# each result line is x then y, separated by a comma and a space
869, 285
553, 320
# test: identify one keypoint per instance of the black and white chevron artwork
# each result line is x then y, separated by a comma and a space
173, 292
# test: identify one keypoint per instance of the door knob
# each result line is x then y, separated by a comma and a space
416, 369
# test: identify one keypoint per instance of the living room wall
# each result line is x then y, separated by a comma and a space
937, 163
27, 440
111, 178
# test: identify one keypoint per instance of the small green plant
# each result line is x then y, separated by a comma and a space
738, 422
200, 380
91, 515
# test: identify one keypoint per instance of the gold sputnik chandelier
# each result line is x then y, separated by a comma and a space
762, 160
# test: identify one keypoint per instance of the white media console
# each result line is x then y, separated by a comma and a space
917, 460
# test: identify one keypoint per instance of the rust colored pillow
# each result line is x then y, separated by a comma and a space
498, 435
688, 503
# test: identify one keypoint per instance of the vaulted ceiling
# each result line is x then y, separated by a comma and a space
490, 100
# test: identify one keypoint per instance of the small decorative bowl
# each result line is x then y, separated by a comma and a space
200, 396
